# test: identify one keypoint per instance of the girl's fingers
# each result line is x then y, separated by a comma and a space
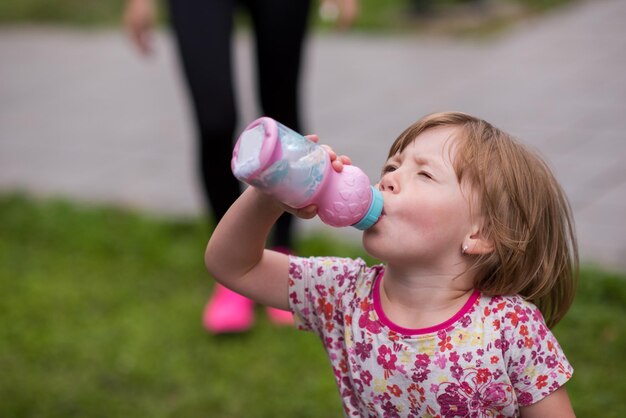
338, 161
330, 151
307, 212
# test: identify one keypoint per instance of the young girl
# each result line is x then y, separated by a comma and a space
478, 247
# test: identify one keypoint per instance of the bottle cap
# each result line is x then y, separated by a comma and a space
374, 211
256, 148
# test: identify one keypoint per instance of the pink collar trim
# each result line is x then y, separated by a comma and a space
419, 331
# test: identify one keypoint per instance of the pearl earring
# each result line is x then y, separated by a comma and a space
464, 250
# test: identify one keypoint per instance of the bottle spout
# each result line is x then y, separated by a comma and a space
374, 211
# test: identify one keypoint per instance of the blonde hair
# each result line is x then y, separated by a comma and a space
527, 216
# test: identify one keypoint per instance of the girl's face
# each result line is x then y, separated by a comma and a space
426, 214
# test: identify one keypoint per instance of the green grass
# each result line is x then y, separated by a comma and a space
389, 16
100, 317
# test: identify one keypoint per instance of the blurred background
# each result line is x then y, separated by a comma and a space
101, 229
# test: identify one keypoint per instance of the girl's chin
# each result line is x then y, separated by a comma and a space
372, 247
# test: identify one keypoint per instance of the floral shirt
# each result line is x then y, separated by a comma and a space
495, 355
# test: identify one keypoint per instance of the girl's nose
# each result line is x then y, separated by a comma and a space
387, 183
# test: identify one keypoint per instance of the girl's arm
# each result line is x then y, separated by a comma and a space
236, 254
555, 405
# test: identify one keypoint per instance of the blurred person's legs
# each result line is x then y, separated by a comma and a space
203, 32
280, 28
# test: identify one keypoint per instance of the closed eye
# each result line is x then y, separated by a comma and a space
388, 169
425, 174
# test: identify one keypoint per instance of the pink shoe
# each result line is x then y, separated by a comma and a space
228, 312
280, 317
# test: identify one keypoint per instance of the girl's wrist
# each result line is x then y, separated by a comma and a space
265, 202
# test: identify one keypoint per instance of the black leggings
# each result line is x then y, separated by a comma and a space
204, 30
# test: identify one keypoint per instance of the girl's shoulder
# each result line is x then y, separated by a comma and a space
340, 271
333, 265
509, 309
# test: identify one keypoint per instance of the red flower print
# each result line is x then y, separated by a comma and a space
543, 331
422, 360
363, 350
494, 359
512, 316
483, 375
523, 330
372, 326
330, 326
528, 342
295, 271
525, 398
475, 395
366, 305
343, 365
418, 389
457, 371
522, 314
364, 320
421, 370
294, 298
452, 405
326, 308
496, 324
502, 344
342, 277
541, 381
551, 362
420, 374
366, 377
321, 290
391, 411
386, 358
444, 344
395, 390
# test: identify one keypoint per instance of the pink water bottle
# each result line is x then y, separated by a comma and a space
298, 172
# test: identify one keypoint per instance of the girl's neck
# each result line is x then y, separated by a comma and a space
421, 299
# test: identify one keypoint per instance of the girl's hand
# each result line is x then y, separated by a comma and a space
337, 162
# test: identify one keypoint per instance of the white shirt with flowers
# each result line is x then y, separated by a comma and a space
495, 355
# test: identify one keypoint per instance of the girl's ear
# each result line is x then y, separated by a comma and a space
477, 243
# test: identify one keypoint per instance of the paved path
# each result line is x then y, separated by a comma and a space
81, 115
